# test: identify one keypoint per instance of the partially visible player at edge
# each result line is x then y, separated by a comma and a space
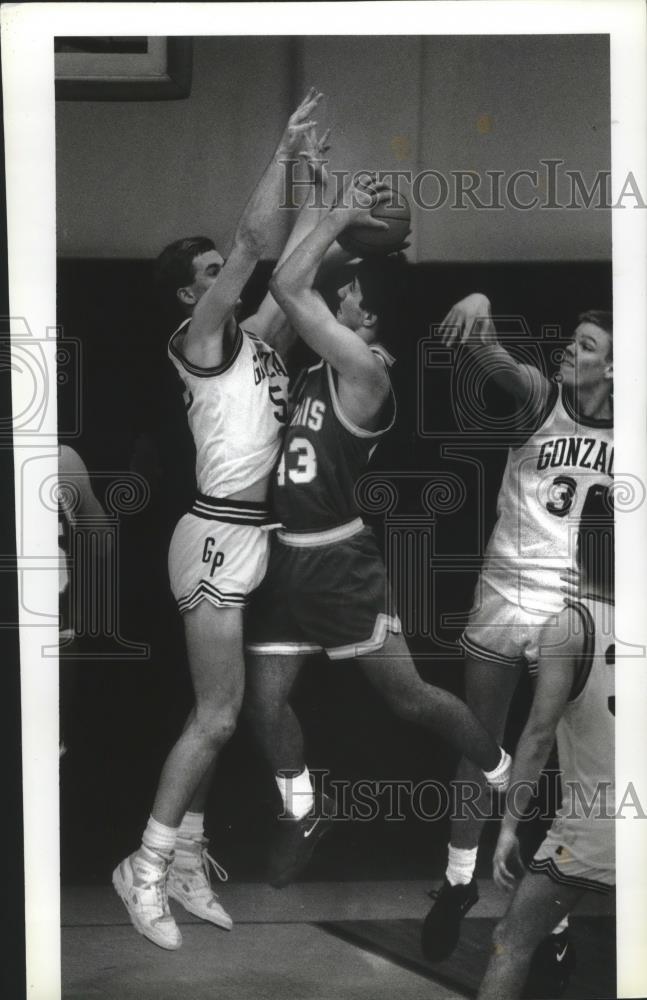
235, 394
574, 699
549, 481
326, 586
78, 511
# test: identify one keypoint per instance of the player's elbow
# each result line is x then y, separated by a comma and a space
276, 285
283, 290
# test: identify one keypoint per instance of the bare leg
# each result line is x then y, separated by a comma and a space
199, 800
214, 648
537, 906
270, 680
488, 690
393, 672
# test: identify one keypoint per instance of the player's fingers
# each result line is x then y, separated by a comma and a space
301, 127
570, 585
502, 876
324, 141
311, 102
374, 223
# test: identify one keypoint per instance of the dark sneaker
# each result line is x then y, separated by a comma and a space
442, 926
551, 967
295, 840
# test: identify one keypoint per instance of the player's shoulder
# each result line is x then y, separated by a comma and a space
70, 462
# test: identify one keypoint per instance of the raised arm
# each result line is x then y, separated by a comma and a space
270, 322
257, 228
470, 322
554, 683
363, 382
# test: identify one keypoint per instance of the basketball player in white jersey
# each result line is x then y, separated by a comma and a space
548, 481
235, 393
574, 700
326, 586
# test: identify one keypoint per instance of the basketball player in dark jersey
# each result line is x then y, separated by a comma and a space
574, 701
326, 586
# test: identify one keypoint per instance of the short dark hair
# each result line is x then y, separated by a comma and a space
174, 266
383, 284
601, 318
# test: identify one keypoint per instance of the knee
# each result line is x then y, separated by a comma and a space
508, 939
215, 726
404, 703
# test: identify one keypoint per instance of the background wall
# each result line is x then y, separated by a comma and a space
131, 176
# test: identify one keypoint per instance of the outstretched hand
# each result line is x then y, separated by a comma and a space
313, 152
299, 123
469, 319
507, 864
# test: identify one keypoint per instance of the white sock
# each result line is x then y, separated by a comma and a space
461, 862
296, 793
561, 926
159, 838
191, 827
499, 778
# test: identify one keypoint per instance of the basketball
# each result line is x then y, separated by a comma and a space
364, 241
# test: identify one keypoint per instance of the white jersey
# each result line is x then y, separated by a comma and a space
585, 737
544, 491
236, 413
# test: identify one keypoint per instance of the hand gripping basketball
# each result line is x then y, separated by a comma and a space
364, 237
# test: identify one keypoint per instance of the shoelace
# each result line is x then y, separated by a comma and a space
206, 860
157, 881
219, 870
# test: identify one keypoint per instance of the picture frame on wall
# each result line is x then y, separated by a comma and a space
122, 68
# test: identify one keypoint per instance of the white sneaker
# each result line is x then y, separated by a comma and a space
140, 880
189, 882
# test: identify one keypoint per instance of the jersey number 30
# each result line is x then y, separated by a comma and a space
299, 460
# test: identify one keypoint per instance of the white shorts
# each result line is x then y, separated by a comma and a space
503, 632
218, 553
582, 857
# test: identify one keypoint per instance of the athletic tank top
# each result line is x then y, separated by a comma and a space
236, 413
543, 495
324, 454
585, 733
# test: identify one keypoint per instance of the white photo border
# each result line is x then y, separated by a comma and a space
28, 77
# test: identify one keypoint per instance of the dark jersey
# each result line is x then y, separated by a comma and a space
324, 454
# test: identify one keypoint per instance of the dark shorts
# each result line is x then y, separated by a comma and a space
331, 595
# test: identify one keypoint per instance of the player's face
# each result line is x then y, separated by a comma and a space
350, 312
586, 360
206, 268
